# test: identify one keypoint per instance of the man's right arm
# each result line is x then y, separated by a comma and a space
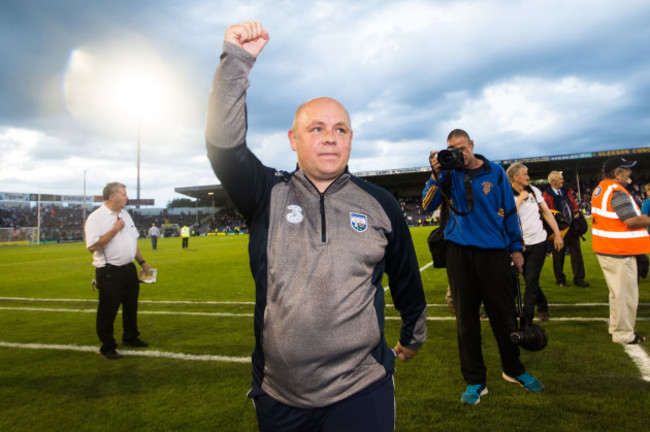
106, 238
236, 167
226, 125
431, 196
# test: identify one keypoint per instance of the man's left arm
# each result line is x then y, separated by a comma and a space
143, 264
624, 207
405, 286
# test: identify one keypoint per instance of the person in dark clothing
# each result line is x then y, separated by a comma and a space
560, 198
320, 242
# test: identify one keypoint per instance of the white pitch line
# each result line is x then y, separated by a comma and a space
578, 319
250, 303
636, 353
640, 358
156, 354
140, 312
208, 302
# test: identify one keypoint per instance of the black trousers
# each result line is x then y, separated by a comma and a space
577, 263
186, 241
483, 275
117, 285
534, 257
370, 410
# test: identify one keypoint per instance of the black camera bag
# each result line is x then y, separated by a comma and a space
436, 240
438, 247
531, 337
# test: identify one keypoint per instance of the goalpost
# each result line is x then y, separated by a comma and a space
16, 236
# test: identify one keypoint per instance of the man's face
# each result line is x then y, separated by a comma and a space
623, 176
322, 139
464, 145
557, 182
521, 178
119, 198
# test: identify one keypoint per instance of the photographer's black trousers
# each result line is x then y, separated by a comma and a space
483, 275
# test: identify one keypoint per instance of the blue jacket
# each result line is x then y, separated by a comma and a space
493, 223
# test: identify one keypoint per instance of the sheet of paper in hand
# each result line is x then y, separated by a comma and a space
148, 277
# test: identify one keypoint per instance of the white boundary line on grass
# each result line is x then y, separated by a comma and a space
208, 302
636, 353
641, 358
156, 354
248, 303
144, 312
247, 315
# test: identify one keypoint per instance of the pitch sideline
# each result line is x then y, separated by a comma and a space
156, 354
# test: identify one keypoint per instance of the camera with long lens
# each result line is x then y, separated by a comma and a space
451, 158
531, 338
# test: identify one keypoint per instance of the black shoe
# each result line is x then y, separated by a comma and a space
137, 343
581, 283
111, 355
562, 283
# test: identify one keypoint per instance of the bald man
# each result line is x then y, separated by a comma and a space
321, 240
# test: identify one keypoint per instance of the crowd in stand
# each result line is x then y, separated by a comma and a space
66, 223
63, 224
228, 220
57, 223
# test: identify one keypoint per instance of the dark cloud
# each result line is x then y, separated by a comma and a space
526, 79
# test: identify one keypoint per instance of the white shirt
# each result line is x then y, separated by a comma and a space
531, 225
154, 232
122, 248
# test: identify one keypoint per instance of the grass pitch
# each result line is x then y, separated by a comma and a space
53, 378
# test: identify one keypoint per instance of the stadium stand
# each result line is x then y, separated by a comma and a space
63, 223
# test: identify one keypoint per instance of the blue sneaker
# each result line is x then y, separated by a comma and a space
473, 394
525, 380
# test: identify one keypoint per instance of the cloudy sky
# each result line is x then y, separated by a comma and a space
525, 78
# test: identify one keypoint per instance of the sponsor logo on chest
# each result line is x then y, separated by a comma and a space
358, 221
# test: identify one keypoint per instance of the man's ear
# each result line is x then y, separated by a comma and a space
292, 139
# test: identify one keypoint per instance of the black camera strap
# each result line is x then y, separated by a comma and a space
520, 308
445, 190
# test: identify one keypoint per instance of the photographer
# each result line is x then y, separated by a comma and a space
482, 243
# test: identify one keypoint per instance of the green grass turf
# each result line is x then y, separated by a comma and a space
592, 384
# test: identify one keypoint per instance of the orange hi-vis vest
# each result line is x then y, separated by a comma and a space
610, 235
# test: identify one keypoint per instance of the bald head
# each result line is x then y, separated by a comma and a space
306, 108
321, 137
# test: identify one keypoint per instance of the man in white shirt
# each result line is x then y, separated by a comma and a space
529, 202
154, 233
112, 237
